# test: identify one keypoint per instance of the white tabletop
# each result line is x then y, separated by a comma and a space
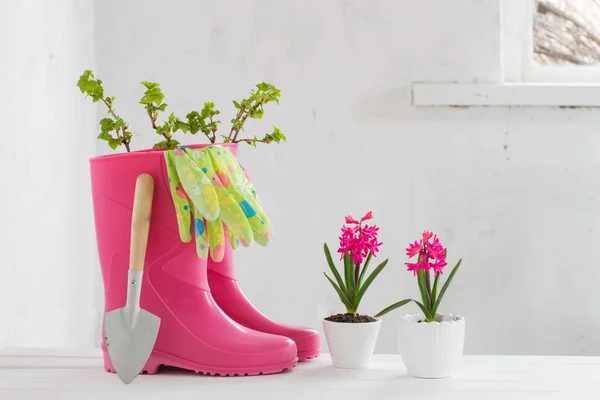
61, 374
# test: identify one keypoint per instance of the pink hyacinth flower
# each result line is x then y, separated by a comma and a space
350, 220
431, 253
359, 240
367, 216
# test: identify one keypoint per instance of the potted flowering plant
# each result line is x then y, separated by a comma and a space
430, 343
351, 336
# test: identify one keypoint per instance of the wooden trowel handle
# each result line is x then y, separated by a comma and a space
140, 221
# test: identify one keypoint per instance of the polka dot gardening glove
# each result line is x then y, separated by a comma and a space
211, 189
185, 210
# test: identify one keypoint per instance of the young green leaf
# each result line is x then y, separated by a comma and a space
426, 312
106, 124
203, 121
333, 268
368, 282
195, 122
150, 85
434, 291
276, 136
153, 97
342, 295
393, 307
364, 270
446, 285
166, 144
179, 125
114, 143
104, 136
90, 86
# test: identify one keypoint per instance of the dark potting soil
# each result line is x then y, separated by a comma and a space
350, 318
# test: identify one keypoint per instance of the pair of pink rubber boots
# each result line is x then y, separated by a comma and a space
207, 324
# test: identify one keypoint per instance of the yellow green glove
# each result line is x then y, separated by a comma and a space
210, 188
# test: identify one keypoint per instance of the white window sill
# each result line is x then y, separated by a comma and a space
505, 95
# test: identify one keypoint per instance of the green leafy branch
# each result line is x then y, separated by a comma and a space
113, 129
276, 136
430, 299
253, 107
204, 122
152, 100
353, 286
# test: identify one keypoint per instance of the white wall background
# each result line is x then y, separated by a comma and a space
512, 191
48, 267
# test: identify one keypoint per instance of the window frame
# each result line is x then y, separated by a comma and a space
517, 50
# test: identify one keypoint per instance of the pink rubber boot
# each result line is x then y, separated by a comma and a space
229, 296
195, 334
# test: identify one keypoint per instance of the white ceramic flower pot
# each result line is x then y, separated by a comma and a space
431, 350
351, 345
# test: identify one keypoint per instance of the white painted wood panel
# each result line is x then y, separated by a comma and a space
34, 374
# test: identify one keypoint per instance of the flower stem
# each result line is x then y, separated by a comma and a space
250, 141
214, 132
428, 281
242, 117
431, 317
153, 117
122, 137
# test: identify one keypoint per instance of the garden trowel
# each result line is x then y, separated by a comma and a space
131, 332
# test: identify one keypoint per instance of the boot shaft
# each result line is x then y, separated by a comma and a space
113, 186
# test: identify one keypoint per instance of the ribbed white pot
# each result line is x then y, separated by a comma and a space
351, 345
431, 350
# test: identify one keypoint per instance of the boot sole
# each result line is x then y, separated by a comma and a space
308, 355
158, 359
